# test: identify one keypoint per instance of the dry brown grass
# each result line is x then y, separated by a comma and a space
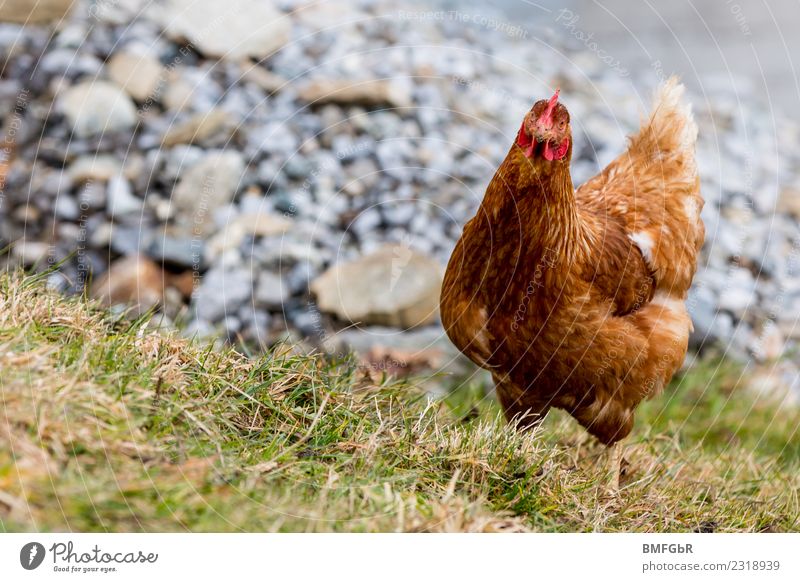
107, 425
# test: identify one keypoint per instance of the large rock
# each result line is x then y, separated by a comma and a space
95, 107
134, 280
233, 29
369, 93
139, 75
200, 127
789, 201
392, 286
208, 184
34, 11
92, 168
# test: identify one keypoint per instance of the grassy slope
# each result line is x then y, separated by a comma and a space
108, 426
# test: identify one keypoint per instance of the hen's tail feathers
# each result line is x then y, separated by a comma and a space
670, 131
667, 188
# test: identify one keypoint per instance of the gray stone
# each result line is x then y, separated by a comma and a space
30, 253
66, 207
297, 167
208, 184
300, 276
232, 325
128, 240
92, 195
183, 252
95, 107
221, 293
271, 290
366, 222
739, 292
121, 200
273, 138
399, 213
394, 156
180, 159
71, 63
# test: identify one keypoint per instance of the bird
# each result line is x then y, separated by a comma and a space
575, 298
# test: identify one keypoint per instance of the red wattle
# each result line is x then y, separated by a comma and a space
525, 142
551, 154
529, 150
522, 139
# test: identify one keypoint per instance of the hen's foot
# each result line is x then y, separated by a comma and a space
615, 462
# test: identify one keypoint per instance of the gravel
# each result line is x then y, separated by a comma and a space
192, 147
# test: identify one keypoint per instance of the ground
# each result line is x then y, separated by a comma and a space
109, 425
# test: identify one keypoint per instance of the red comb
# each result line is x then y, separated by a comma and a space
551, 105
554, 98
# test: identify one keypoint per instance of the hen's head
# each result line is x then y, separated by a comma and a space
545, 131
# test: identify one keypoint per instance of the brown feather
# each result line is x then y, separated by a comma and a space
574, 299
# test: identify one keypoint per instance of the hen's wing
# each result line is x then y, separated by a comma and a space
650, 196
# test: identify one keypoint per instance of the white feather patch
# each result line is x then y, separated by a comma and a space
666, 300
645, 243
678, 323
692, 208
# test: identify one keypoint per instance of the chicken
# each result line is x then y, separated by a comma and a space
575, 299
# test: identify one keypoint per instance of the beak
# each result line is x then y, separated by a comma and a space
542, 132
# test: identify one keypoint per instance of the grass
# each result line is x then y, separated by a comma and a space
108, 425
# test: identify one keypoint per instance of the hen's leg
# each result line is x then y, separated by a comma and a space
519, 407
614, 466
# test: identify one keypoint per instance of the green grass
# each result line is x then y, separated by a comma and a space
107, 425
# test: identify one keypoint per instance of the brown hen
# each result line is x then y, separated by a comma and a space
574, 299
